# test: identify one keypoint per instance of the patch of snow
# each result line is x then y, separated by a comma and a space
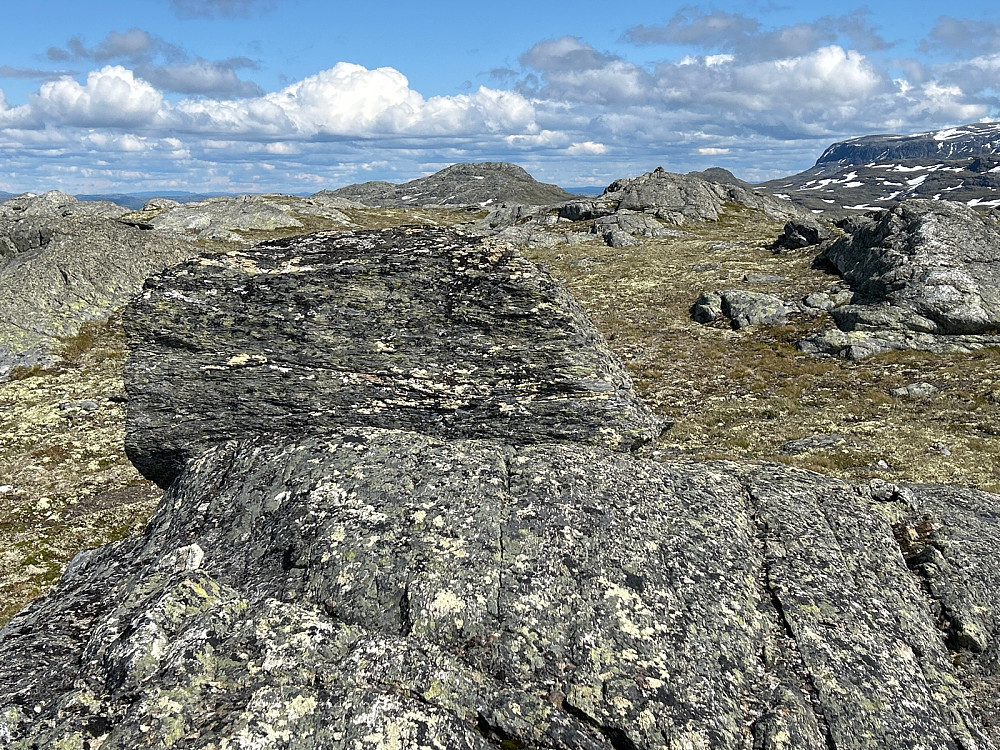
954, 187
478, 177
916, 181
980, 202
944, 135
853, 184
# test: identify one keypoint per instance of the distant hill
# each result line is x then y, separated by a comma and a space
876, 171
585, 190
134, 201
484, 183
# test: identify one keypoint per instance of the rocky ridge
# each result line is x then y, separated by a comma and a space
228, 219
63, 263
651, 205
372, 587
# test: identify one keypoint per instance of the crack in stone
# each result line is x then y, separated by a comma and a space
799, 669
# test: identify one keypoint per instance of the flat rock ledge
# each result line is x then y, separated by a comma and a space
384, 589
421, 329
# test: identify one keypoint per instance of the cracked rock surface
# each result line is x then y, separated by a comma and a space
382, 588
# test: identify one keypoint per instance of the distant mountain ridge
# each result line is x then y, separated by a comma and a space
960, 164
950, 143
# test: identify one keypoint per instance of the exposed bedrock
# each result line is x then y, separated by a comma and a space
386, 589
924, 276
64, 262
926, 266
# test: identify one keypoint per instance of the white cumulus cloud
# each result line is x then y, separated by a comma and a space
112, 97
586, 147
350, 100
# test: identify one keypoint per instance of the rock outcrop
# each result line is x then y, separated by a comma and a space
742, 308
483, 184
677, 198
228, 219
651, 205
924, 274
365, 587
426, 330
64, 262
381, 588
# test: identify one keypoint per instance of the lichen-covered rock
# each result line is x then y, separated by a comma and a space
427, 330
56, 204
65, 270
223, 218
924, 266
677, 198
384, 589
622, 227
742, 308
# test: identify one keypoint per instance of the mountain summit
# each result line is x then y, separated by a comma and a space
485, 183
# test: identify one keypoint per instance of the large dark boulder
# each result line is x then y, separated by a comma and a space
426, 330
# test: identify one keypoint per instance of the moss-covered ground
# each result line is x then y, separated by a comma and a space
65, 483
743, 394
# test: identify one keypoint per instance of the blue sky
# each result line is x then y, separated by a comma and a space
301, 95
